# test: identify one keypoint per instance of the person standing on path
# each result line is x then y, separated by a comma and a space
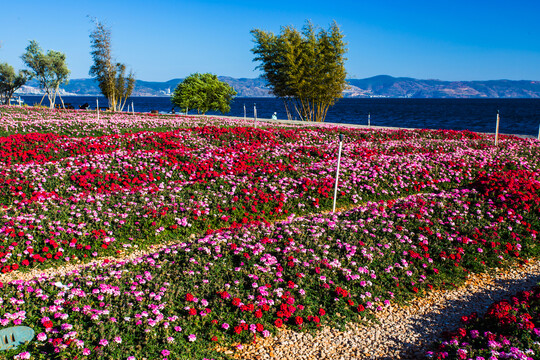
274, 116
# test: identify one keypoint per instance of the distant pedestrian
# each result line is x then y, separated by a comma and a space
274, 116
173, 112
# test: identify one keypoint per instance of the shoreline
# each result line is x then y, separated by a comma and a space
312, 123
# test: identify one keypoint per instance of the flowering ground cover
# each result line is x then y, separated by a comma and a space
508, 330
254, 250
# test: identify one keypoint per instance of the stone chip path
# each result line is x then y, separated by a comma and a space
403, 332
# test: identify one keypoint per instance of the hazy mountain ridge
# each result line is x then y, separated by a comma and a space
377, 86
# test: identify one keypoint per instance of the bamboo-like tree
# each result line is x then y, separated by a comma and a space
110, 75
306, 69
10, 81
49, 69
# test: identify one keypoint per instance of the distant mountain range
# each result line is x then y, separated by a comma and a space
377, 86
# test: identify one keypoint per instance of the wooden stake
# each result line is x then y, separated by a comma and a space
255, 113
497, 129
337, 171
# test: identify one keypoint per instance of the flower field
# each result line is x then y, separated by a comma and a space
244, 210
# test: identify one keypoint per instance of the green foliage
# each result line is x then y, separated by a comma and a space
49, 69
306, 69
10, 81
111, 75
203, 92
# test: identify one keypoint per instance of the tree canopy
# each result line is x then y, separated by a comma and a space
49, 69
114, 84
10, 81
203, 92
306, 69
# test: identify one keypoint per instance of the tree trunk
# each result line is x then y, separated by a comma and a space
43, 97
51, 100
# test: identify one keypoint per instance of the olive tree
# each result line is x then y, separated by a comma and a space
10, 81
111, 76
50, 70
306, 69
203, 92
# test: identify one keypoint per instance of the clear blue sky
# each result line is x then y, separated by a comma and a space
166, 39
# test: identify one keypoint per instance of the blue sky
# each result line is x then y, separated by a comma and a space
166, 39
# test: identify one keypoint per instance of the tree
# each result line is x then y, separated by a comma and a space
204, 92
49, 69
306, 69
111, 75
10, 82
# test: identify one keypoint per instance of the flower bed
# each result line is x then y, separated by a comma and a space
428, 208
508, 330
231, 286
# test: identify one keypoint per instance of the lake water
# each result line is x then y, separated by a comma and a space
517, 116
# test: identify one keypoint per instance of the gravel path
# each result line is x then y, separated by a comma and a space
403, 332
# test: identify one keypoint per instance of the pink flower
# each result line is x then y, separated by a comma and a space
165, 352
23, 355
192, 337
103, 342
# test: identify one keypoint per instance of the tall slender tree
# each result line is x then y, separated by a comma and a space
10, 81
110, 75
49, 69
306, 69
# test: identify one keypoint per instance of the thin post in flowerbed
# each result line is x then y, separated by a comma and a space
337, 171
369, 119
497, 129
538, 132
97, 108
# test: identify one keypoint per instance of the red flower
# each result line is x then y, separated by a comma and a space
278, 323
189, 297
48, 324
192, 311
322, 312
361, 308
298, 320
214, 338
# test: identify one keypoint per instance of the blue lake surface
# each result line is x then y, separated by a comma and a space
517, 116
